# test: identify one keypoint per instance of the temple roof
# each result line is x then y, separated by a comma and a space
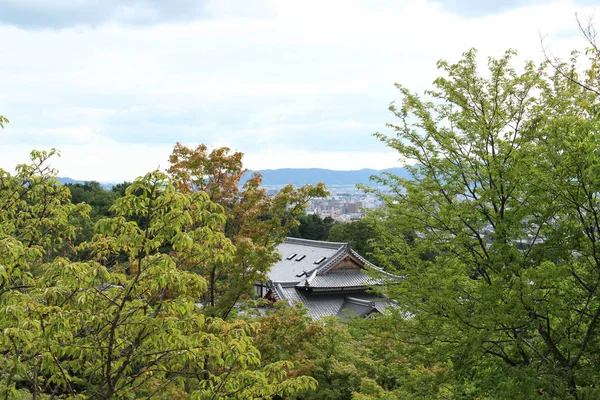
298, 258
355, 307
343, 278
328, 278
319, 305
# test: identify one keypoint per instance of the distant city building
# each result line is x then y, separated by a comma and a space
346, 204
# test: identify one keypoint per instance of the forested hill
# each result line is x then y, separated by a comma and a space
303, 176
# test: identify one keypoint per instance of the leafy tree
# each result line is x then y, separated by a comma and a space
358, 233
100, 201
35, 208
323, 350
505, 194
92, 193
286, 332
590, 81
391, 368
334, 363
312, 227
255, 222
130, 329
120, 188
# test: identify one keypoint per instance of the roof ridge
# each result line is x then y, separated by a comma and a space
360, 302
278, 290
333, 259
310, 278
315, 243
369, 264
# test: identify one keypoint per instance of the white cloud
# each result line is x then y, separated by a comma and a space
277, 157
289, 83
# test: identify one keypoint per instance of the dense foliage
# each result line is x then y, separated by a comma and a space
124, 322
254, 222
358, 233
497, 234
100, 202
312, 227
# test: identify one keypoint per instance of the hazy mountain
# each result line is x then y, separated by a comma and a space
299, 176
303, 176
65, 180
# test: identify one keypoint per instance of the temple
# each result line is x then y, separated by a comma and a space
328, 278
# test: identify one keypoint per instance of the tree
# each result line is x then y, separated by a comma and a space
119, 329
590, 81
323, 350
312, 227
100, 201
358, 233
390, 368
90, 192
505, 195
120, 188
35, 208
255, 222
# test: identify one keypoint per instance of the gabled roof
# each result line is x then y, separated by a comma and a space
323, 275
343, 278
296, 268
312, 263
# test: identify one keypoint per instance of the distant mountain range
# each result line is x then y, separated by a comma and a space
301, 176
66, 180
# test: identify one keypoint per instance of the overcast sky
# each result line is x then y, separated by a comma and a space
114, 84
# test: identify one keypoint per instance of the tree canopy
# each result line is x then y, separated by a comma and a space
312, 227
124, 322
496, 233
254, 222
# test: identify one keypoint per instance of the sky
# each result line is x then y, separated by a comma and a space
114, 84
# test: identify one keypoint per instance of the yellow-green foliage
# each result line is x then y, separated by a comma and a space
123, 323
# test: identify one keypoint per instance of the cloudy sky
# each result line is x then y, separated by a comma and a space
114, 84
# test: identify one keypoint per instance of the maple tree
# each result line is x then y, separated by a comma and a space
255, 222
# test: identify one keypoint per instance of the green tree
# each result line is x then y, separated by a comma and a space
505, 195
255, 222
312, 227
92, 193
390, 367
130, 329
323, 350
100, 201
36, 209
358, 233
120, 188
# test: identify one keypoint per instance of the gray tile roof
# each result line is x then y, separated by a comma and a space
287, 270
322, 290
355, 307
343, 278
321, 305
